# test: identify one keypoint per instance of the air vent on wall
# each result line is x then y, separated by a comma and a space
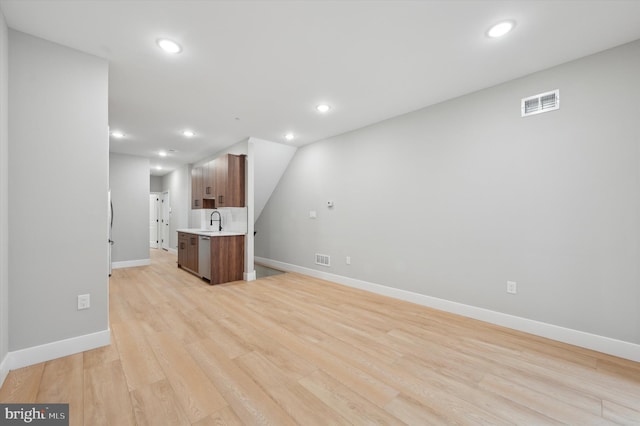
543, 102
323, 259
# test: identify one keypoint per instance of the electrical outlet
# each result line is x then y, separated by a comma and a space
348, 260
84, 301
312, 214
512, 287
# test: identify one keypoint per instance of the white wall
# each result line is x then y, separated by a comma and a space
454, 200
155, 183
178, 183
271, 160
130, 187
58, 180
4, 199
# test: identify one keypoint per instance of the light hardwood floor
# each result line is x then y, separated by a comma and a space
291, 349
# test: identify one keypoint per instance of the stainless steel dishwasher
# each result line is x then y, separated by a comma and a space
204, 257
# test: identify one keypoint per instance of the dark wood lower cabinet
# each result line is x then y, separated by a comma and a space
227, 259
188, 251
227, 256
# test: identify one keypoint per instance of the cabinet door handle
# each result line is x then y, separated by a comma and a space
182, 245
208, 190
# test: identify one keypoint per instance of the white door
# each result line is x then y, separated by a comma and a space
153, 220
165, 215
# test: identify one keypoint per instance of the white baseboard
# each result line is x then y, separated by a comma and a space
4, 369
130, 263
172, 250
594, 342
250, 276
36, 354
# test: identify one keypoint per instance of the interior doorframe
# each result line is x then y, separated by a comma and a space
165, 220
157, 215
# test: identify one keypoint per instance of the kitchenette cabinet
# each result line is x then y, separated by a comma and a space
209, 181
219, 183
188, 251
227, 259
196, 187
226, 254
230, 181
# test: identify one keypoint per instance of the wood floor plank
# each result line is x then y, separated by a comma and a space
250, 403
138, 360
179, 323
427, 355
540, 402
119, 308
223, 417
347, 403
371, 388
231, 344
468, 391
100, 356
620, 414
582, 379
197, 395
148, 283
413, 412
291, 365
297, 401
62, 381
156, 405
22, 385
106, 396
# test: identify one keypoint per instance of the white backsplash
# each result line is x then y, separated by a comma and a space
234, 219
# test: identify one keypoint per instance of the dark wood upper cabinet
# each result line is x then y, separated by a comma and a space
230, 180
196, 188
208, 180
219, 183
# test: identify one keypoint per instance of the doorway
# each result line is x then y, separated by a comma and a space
154, 224
165, 220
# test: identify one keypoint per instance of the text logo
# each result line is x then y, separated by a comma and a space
34, 414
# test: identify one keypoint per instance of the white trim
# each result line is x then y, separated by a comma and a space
594, 342
130, 263
172, 250
4, 369
48, 351
250, 276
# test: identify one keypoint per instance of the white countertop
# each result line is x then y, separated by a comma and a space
209, 233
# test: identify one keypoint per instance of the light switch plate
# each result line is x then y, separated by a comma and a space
84, 301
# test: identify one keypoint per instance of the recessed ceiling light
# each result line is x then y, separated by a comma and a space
500, 29
158, 167
188, 133
323, 108
289, 136
117, 134
169, 46
162, 153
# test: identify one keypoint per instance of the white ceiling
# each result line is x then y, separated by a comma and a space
259, 68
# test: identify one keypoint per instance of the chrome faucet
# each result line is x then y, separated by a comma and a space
219, 219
